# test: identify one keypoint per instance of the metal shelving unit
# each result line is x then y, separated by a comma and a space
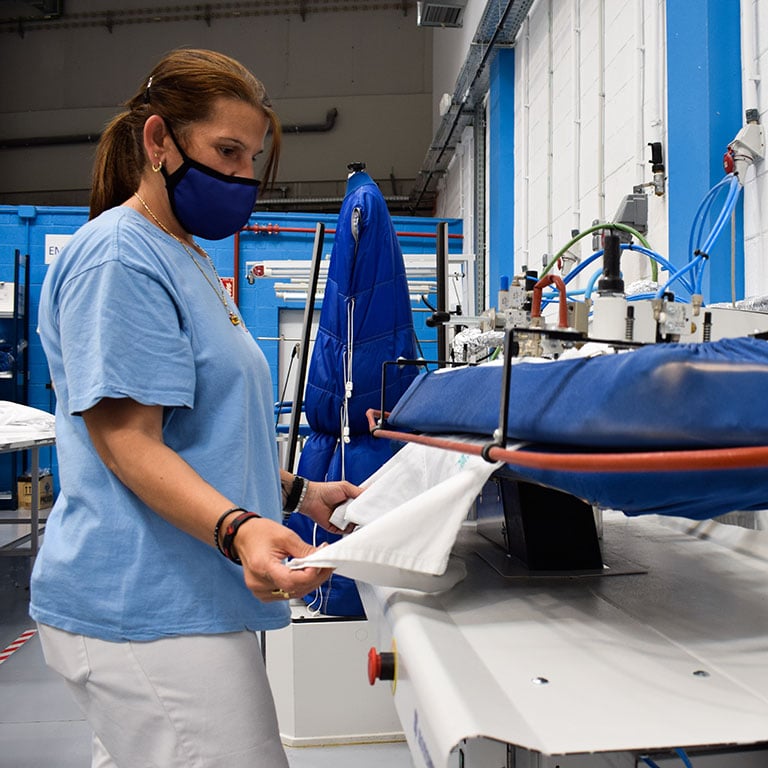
14, 364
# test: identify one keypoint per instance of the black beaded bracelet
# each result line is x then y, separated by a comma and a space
229, 535
295, 494
219, 523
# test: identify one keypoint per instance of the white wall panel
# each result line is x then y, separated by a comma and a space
456, 198
522, 155
563, 149
591, 154
538, 131
589, 97
756, 186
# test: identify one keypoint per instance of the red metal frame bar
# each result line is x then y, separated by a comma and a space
744, 457
276, 229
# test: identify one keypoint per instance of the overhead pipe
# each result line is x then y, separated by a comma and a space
49, 141
207, 13
92, 138
328, 125
751, 76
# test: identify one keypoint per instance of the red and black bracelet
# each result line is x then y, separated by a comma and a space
229, 535
220, 522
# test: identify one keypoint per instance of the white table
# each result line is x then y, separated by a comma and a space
33, 445
672, 655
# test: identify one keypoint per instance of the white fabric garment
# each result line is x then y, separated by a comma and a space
17, 418
20, 422
408, 519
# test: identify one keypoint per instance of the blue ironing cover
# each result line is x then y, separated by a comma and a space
664, 397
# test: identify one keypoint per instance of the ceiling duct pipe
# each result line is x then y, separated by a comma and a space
49, 141
92, 138
328, 125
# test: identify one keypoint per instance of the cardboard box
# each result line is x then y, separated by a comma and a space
45, 486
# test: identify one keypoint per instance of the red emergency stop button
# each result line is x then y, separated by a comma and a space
381, 666
729, 162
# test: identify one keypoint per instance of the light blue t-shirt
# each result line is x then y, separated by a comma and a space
125, 313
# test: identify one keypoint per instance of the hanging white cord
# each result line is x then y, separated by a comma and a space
348, 386
315, 607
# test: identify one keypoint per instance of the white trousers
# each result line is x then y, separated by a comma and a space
201, 701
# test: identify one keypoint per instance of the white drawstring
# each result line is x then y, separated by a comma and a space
318, 598
344, 412
348, 384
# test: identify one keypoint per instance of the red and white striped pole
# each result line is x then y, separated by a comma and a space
7, 652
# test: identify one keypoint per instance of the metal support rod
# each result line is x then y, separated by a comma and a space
400, 363
500, 435
34, 540
301, 374
442, 288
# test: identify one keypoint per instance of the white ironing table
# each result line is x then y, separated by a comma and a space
669, 652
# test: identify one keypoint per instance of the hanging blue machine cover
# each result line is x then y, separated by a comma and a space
365, 320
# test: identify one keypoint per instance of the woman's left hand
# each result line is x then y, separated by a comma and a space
322, 499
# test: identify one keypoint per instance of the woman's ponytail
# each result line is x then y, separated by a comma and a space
118, 164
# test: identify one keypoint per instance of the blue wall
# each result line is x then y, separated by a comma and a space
704, 115
501, 165
25, 228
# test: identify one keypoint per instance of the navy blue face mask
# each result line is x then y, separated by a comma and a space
207, 203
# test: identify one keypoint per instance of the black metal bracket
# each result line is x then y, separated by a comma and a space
399, 364
511, 349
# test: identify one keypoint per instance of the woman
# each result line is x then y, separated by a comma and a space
165, 440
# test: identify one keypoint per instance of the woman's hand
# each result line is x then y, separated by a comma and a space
263, 546
322, 499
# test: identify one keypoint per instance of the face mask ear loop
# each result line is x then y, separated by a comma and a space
175, 141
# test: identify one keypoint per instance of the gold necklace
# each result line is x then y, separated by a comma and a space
221, 292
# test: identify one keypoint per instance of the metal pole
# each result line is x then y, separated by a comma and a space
442, 288
301, 375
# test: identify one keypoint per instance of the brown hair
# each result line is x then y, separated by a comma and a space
181, 88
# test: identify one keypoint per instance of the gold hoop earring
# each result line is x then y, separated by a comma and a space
156, 168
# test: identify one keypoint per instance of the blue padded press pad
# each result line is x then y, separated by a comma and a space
661, 396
